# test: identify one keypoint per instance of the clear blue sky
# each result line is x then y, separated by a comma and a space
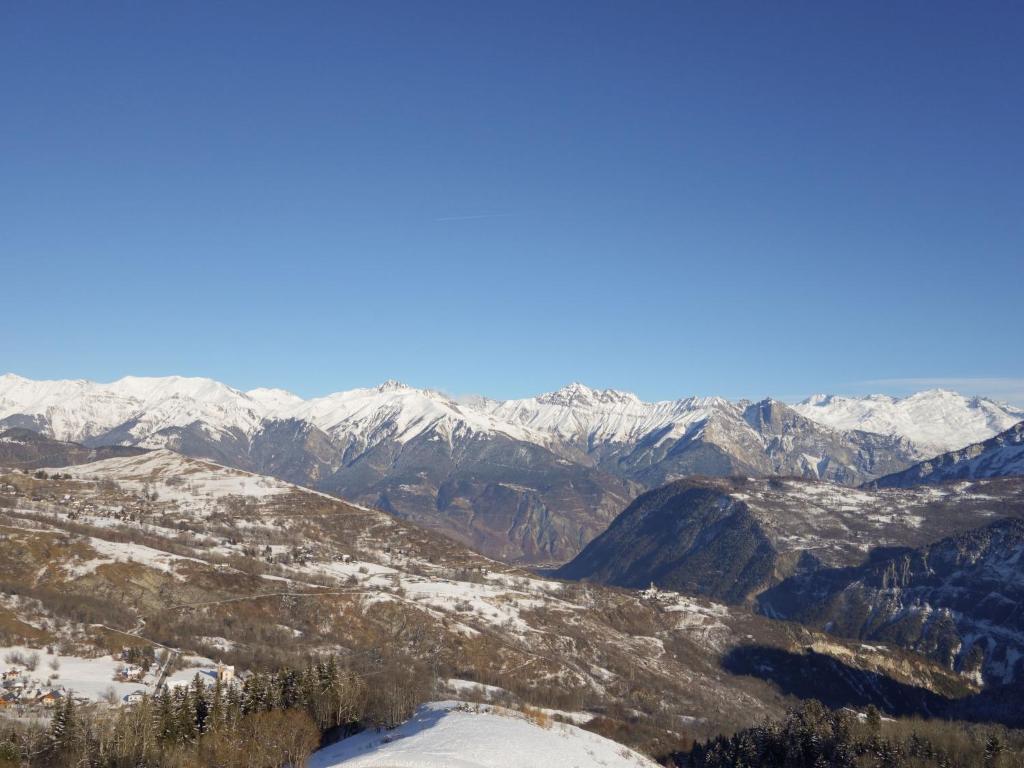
669, 197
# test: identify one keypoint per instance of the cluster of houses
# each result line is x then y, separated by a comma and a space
21, 694
74, 507
133, 510
18, 691
125, 513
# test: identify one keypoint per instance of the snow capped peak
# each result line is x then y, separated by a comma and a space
148, 411
818, 399
81, 410
935, 420
577, 393
391, 385
589, 416
274, 399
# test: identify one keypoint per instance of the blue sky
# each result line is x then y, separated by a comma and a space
669, 197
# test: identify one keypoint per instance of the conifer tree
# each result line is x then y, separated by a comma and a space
216, 715
163, 716
64, 726
185, 715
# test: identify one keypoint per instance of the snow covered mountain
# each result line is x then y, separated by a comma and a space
137, 410
587, 417
999, 456
529, 480
935, 420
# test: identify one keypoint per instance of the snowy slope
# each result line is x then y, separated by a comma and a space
398, 412
936, 420
275, 400
173, 477
999, 456
80, 410
450, 734
578, 413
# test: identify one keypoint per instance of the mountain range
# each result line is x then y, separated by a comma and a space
998, 456
530, 480
930, 559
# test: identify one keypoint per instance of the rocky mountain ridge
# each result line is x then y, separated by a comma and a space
999, 456
957, 601
529, 480
733, 538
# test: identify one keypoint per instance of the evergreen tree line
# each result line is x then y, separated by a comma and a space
813, 736
269, 721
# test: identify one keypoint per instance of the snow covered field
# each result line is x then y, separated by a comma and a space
94, 678
452, 734
175, 478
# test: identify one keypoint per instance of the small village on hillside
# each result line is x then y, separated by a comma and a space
34, 681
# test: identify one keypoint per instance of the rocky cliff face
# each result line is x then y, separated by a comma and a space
956, 601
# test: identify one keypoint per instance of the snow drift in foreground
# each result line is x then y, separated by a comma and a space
453, 734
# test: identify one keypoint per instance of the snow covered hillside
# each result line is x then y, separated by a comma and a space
936, 420
453, 734
999, 456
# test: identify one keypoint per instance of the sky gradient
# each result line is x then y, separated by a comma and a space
667, 197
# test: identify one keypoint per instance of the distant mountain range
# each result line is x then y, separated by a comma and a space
930, 558
999, 456
936, 420
530, 480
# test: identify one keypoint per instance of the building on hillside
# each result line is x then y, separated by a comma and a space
225, 673
49, 698
130, 672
